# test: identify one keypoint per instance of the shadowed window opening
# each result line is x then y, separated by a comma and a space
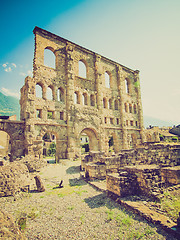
135, 109
110, 104
130, 108
116, 104
84, 99
61, 115
76, 98
104, 103
39, 113
92, 100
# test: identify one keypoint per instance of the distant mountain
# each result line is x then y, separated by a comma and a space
9, 106
157, 122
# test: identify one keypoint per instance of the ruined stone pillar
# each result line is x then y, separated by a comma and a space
98, 75
120, 81
139, 106
69, 99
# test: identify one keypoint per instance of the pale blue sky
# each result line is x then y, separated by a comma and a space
139, 34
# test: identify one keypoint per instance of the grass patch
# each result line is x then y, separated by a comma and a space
80, 192
22, 223
110, 215
70, 208
171, 204
82, 218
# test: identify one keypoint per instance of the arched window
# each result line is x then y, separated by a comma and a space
104, 103
82, 69
49, 57
92, 100
135, 109
116, 104
84, 99
130, 108
107, 80
76, 98
110, 103
49, 93
126, 108
39, 92
127, 86
61, 95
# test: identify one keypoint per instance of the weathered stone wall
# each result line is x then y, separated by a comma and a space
171, 175
15, 130
89, 104
149, 180
160, 154
14, 177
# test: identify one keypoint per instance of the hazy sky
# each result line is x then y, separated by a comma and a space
139, 34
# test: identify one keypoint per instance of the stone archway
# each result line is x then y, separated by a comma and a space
15, 130
93, 138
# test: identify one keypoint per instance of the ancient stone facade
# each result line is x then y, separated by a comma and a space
104, 102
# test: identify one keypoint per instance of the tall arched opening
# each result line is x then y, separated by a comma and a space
89, 135
49, 147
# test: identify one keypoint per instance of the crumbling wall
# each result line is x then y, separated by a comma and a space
162, 155
14, 177
15, 130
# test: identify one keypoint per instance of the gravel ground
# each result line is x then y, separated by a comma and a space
76, 211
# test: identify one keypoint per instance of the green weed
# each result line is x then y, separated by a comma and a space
22, 223
82, 218
70, 208
110, 215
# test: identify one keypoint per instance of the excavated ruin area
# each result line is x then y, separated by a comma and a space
78, 210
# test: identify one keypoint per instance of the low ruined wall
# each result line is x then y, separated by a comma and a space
149, 180
14, 177
95, 171
171, 175
123, 184
159, 154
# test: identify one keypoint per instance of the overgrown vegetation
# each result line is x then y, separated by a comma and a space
171, 205
52, 149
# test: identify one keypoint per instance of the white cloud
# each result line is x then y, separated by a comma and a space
4, 65
22, 74
9, 92
14, 65
29, 72
9, 69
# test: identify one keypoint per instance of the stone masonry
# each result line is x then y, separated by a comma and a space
105, 102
